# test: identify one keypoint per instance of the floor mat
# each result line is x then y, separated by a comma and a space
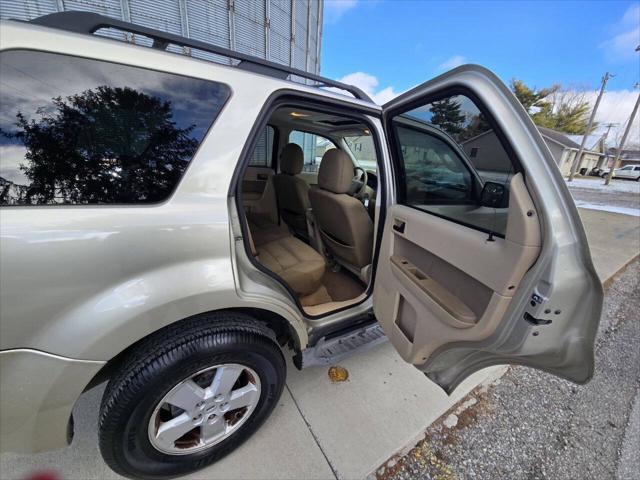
336, 287
318, 297
341, 286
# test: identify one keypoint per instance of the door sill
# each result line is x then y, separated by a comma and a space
333, 348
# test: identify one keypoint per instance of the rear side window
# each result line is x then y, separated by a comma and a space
263, 153
79, 131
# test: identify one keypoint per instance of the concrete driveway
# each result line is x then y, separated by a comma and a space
322, 430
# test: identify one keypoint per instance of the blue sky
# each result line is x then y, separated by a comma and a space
388, 46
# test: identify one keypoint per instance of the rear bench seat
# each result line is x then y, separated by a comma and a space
299, 265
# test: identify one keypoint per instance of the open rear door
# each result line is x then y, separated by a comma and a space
484, 259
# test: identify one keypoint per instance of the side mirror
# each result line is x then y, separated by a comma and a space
494, 195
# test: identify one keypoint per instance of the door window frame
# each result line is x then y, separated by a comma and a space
298, 99
395, 149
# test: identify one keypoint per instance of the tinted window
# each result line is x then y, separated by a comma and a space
364, 150
434, 173
448, 150
263, 153
313, 147
79, 131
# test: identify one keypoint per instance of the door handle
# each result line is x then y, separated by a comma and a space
263, 176
398, 226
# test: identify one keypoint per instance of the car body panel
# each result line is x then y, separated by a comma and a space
105, 274
35, 417
628, 171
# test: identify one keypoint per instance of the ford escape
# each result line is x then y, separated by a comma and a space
176, 227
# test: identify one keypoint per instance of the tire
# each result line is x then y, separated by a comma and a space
161, 364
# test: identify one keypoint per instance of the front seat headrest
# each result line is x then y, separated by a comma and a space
291, 159
336, 171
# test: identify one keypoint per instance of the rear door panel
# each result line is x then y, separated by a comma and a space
258, 192
460, 283
454, 298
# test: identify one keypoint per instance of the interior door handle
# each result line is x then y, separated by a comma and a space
263, 176
398, 226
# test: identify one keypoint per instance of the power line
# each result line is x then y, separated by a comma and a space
578, 158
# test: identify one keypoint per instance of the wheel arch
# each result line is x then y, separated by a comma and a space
284, 334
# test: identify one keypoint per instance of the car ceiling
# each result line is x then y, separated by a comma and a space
317, 122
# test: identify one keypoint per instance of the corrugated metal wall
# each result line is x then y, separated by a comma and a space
283, 31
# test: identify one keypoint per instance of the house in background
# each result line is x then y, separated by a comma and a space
488, 156
627, 157
564, 149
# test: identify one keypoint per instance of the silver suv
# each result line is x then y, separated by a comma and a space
177, 227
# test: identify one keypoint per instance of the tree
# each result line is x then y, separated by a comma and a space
446, 114
554, 107
476, 125
532, 99
571, 111
107, 145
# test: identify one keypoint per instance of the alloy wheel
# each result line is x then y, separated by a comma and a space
204, 409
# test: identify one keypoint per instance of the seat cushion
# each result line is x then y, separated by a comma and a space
293, 201
263, 230
299, 265
345, 225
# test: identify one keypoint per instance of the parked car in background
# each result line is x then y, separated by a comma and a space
631, 172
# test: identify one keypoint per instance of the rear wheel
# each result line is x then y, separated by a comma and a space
189, 395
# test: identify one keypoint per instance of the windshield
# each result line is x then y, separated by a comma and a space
363, 149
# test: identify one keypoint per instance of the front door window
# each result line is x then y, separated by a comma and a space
449, 151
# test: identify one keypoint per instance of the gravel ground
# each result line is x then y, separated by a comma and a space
531, 425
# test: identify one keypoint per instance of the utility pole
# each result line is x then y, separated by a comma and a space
577, 160
623, 140
603, 139
608, 126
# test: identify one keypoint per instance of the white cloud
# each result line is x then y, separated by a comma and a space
369, 84
453, 62
12, 157
622, 46
615, 107
335, 9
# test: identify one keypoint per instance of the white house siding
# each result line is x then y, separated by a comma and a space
589, 161
487, 153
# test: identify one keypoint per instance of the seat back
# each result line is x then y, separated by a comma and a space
291, 191
345, 225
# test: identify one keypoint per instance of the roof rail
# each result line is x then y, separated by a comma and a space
89, 23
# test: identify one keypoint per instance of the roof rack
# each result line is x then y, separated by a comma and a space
89, 23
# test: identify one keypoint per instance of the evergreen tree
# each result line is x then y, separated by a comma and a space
446, 114
563, 110
532, 99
